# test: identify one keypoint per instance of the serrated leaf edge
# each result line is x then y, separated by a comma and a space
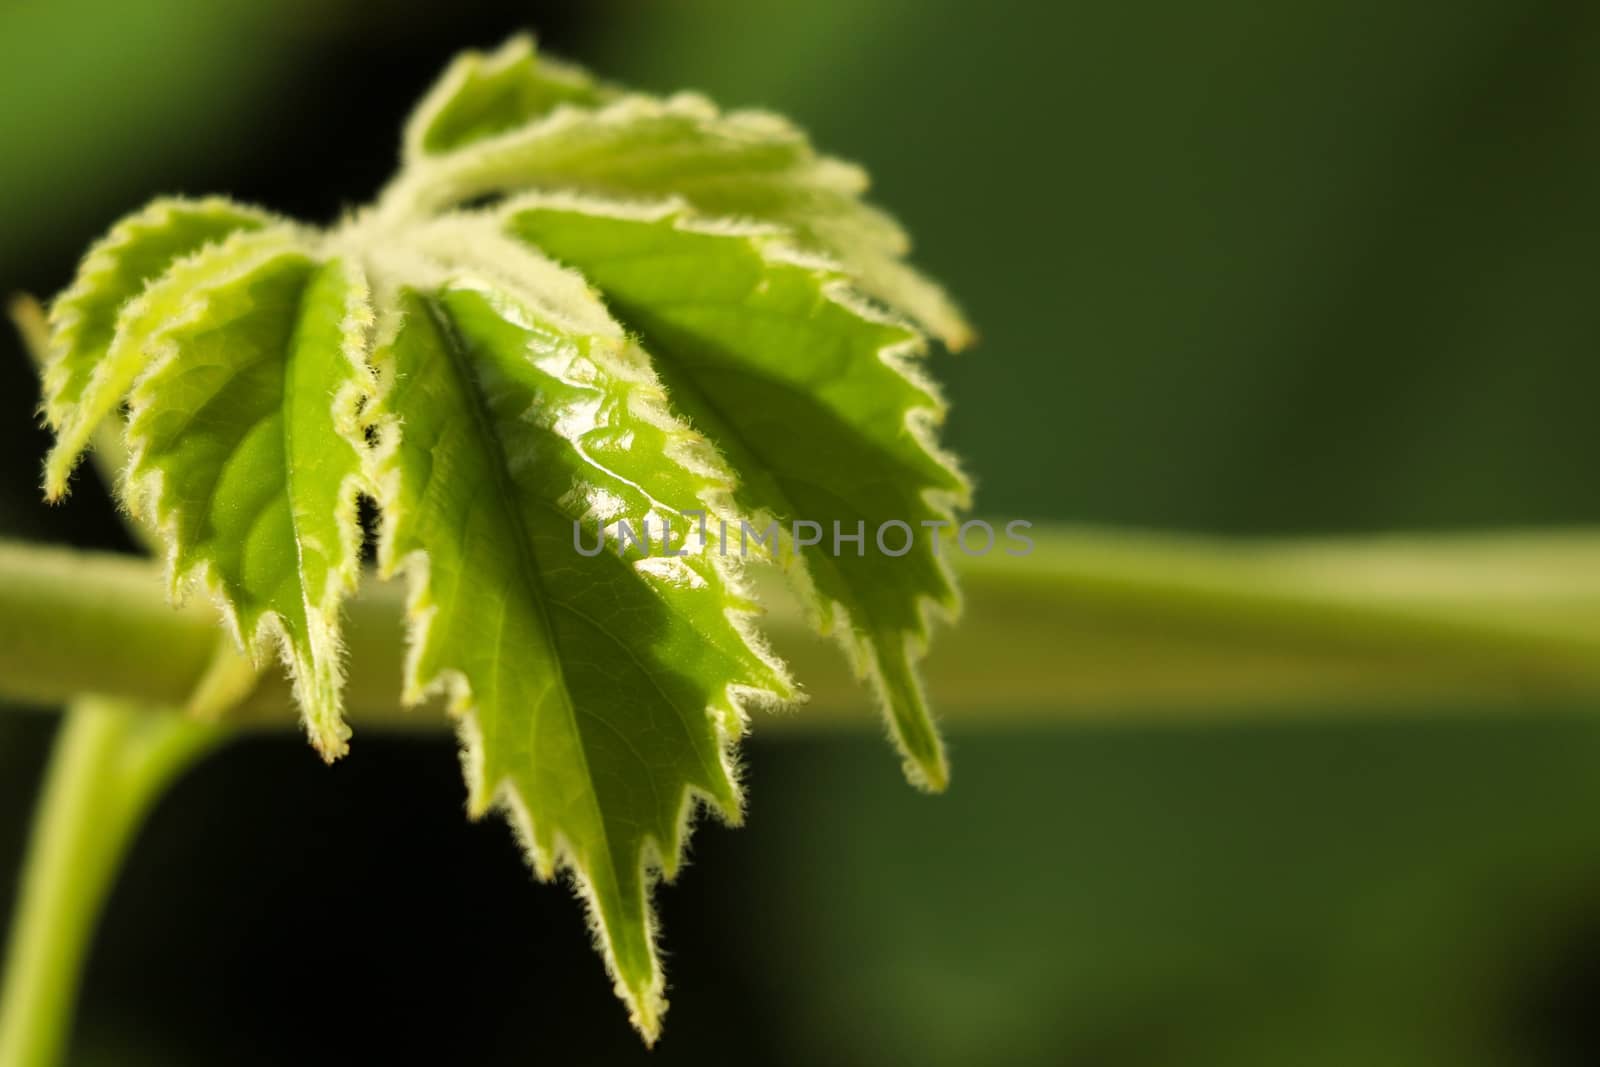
430, 184
73, 427
829, 616
434, 182
144, 491
656, 862
464, 66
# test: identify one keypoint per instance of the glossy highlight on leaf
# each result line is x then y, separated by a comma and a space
598, 695
574, 307
769, 356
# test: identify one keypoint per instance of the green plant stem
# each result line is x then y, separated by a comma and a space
1094, 623
110, 763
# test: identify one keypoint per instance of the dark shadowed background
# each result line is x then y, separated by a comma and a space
1245, 266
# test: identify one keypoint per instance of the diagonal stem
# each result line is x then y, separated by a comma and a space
111, 762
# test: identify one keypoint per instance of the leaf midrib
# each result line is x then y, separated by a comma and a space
527, 567
286, 406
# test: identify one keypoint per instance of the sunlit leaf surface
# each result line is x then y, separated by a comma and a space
577, 314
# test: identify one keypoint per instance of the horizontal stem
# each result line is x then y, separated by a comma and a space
1094, 623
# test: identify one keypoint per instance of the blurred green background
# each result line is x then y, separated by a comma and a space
1243, 267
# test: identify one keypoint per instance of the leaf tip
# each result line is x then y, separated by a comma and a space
332, 744
910, 723
642, 994
931, 775
58, 466
645, 1015
958, 335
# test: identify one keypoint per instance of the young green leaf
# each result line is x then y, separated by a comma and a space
80, 387
598, 695
480, 96
488, 401
246, 448
742, 164
810, 396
